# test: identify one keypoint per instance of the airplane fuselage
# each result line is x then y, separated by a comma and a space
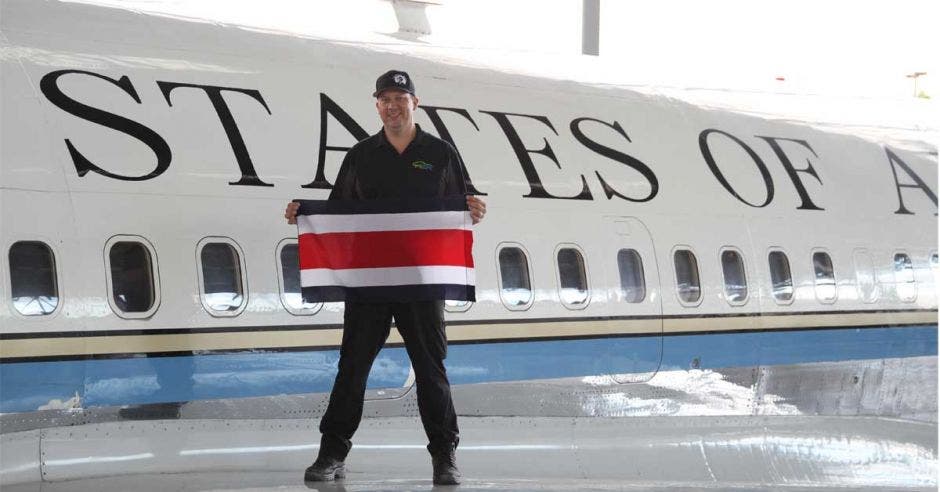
628, 235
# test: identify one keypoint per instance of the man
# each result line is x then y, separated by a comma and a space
401, 160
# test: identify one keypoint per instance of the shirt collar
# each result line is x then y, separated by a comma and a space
421, 138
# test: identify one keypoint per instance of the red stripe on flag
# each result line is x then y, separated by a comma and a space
381, 249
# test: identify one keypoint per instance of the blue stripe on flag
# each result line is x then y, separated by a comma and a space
396, 293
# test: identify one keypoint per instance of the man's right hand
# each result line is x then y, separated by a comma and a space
290, 213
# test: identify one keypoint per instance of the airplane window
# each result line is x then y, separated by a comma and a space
516, 289
221, 277
780, 278
572, 277
132, 286
732, 266
33, 278
687, 280
935, 266
825, 277
290, 281
865, 277
632, 280
456, 305
904, 277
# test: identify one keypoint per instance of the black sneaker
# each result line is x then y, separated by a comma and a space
444, 461
325, 469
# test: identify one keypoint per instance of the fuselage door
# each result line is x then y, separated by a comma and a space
634, 300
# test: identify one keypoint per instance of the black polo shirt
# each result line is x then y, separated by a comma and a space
428, 168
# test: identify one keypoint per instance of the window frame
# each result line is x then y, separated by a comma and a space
724, 281
835, 279
242, 277
877, 290
587, 276
770, 276
8, 280
913, 282
282, 294
675, 276
499, 276
154, 276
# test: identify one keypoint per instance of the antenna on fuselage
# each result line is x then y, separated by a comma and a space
412, 17
590, 27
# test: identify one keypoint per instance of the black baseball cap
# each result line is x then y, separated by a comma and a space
394, 79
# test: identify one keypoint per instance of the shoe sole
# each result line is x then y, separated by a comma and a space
338, 474
451, 481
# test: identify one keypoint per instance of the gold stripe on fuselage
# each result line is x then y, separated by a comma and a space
103, 345
176, 342
795, 321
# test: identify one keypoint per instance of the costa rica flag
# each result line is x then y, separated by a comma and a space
386, 250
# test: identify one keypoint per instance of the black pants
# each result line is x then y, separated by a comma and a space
365, 328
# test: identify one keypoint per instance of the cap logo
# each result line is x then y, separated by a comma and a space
400, 79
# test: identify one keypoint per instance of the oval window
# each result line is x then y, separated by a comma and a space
732, 267
905, 283
132, 282
33, 283
688, 286
825, 277
222, 279
632, 279
289, 267
515, 288
572, 277
781, 281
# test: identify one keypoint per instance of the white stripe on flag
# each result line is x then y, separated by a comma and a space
384, 277
420, 221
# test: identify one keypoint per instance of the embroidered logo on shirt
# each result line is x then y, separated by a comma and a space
424, 166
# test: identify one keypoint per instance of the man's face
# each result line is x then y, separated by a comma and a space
396, 109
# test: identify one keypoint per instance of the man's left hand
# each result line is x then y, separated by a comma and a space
477, 208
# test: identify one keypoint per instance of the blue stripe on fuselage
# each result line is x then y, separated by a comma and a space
101, 382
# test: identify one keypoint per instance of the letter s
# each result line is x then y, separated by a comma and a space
618, 156
50, 88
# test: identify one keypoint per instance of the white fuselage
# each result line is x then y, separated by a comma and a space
181, 132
